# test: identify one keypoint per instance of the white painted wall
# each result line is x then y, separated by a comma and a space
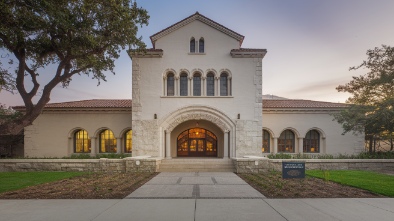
302, 122
217, 56
149, 90
51, 134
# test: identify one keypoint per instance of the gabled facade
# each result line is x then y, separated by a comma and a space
196, 93
197, 79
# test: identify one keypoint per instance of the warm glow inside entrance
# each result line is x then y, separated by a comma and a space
197, 142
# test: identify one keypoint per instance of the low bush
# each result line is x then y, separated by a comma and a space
363, 155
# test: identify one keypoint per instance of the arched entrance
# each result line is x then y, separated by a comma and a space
197, 142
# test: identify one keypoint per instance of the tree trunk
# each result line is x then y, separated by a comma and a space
374, 144
391, 144
370, 144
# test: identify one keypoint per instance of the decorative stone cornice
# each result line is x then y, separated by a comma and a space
197, 112
248, 53
148, 53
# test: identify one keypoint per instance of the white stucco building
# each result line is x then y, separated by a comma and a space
196, 93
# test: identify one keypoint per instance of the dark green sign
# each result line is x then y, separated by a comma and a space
293, 170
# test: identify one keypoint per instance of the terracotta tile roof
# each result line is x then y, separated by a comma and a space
202, 18
267, 103
126, 103
95, 103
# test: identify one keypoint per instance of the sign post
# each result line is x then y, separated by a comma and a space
293, 170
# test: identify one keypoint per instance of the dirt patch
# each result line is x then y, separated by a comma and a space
120, 185
87, 186
272, 185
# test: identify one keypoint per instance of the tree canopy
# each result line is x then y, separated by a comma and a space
78, 36
371, 107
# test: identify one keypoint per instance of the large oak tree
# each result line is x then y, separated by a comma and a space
371, 108
78, 36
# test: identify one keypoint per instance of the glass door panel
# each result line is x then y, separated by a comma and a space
200, 145
193, 145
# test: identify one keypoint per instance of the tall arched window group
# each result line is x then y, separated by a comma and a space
200, 43
286, 142
107, 142
197, 83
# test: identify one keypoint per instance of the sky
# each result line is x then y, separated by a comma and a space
311, 44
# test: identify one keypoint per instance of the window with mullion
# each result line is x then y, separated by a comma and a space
197, 85
311, 142
170, 84
201, 44
192, 45
223, 85
286, 142
210, 85
266, 142
107, 142
183, 85
128, 141
82, 142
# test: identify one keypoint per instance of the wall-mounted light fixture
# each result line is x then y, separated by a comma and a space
155, 116
239, 116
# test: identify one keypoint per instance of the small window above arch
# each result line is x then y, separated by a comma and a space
201, 45
192, 45
170, 84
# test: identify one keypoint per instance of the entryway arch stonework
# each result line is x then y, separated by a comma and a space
199, 113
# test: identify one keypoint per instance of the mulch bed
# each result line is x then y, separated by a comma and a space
120, 185
87, 186
272, 185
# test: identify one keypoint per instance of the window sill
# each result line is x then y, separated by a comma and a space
196, 53
196, 97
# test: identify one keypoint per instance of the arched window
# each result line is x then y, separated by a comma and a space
266, 142
128, 148
107, 142
201, 45
286, 142
192, 45
312, 142
183, 84
81, 142
224, 84
210, 84
197, 84
170, 84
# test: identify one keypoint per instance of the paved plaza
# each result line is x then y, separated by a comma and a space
198, 196
196, 185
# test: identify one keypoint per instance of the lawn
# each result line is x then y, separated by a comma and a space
371, 181
18, 180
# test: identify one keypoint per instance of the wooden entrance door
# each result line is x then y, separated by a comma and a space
197, 142
197, 148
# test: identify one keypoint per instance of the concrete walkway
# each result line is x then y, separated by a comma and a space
198, 196
196, 185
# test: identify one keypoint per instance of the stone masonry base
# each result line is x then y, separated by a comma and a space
242, 165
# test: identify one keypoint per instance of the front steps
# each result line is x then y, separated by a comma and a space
196, 165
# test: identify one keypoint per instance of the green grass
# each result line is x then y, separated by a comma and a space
371, 181
18, 180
